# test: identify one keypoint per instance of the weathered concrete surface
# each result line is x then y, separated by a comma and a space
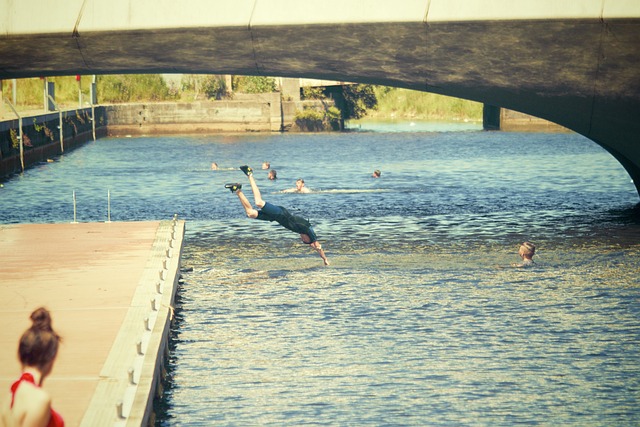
97, 280
574, 63
246, 113
513, 121
194, 117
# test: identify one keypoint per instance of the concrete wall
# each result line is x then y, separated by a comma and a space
193, 117
514, 121
496, 118
245, 113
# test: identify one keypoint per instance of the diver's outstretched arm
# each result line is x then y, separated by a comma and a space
318, 247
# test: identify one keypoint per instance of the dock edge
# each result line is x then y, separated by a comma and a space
132, 371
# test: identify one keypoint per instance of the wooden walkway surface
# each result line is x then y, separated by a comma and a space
109, 287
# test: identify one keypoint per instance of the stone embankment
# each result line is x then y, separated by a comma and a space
245, 113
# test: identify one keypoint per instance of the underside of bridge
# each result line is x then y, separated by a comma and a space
578, 68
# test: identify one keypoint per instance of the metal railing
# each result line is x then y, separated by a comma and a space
75, 207
19, 133
55, 105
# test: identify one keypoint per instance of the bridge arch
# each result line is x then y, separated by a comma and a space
577, 65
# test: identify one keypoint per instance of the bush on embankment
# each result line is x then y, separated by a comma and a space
314, 120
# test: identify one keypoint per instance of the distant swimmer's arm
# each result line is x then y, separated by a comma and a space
318, 247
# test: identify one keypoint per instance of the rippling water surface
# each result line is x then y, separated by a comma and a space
420, 320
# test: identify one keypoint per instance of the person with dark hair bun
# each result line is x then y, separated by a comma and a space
29, 404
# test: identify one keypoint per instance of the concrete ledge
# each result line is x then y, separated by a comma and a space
247, 113
124, 394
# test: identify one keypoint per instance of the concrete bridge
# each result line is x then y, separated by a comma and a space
574, 63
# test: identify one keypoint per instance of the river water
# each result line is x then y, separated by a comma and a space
420, 320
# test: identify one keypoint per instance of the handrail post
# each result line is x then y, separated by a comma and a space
109, 206
14, 90
60, 120
19, 133
21, 144
75, 217
61, 131
93, 99
46, 94
93, 120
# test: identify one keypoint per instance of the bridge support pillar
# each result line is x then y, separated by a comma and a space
290, 89
490, 117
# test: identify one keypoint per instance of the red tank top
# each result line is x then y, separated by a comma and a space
56, 419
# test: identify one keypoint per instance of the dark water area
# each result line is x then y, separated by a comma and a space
420, 319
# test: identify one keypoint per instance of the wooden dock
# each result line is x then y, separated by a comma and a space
110, 289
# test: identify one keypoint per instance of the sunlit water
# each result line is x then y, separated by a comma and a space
420, 320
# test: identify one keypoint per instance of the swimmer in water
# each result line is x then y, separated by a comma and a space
300, 188
526, 252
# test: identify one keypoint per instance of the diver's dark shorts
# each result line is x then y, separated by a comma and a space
270, 212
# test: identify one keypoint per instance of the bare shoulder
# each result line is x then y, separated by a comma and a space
6, 418
32, 403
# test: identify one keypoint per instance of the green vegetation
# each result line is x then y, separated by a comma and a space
119, 88
309, 92
133, 87
394, 103
358, 99
384, 103
361, 101
313, 120
15, 143
211, 86
30, 91
353, 100
254, 84
111, 89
